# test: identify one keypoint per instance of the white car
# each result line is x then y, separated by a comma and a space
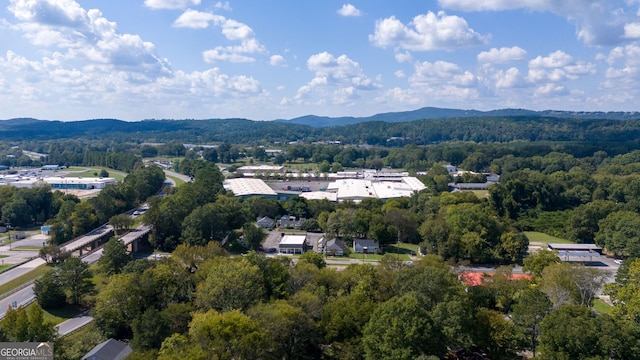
618, 261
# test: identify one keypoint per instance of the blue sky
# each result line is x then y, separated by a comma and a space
265, 60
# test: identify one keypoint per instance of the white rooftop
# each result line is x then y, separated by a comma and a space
293, 240
260, 168
246, 186
414, 183
358, 189
320, 195
389, 190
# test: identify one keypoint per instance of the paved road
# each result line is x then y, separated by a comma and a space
14, 256
20, 270
182, 177
21, 298
73, 324
87, 239
93, 257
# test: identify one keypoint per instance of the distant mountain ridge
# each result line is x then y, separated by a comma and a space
422, 126
443, 113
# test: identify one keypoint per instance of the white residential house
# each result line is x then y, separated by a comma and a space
266, 222
365, 246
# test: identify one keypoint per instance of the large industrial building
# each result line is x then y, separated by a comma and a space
245, 187
63, 183
357, 190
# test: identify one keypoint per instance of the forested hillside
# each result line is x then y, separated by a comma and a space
240, 131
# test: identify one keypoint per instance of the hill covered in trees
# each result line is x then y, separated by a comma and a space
391, 129
440, 113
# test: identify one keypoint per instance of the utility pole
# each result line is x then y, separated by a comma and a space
398, 246
9, 232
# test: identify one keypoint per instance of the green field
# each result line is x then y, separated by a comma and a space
95, 171
535, 236
601, 306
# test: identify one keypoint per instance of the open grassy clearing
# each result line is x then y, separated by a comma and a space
535, 236
601, 306
95, 171
481, 193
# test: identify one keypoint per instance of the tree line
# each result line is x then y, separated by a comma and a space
201, 303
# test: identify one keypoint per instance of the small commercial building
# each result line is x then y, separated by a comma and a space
293, 244
581, 252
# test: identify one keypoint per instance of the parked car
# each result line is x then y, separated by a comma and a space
618, 261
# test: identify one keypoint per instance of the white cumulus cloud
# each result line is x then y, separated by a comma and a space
341, 74
86, 62
277, 60
349, 10
223, 5
196, 19
502, 55
632, 31
170, 4
426, 32
597, 22
233, 30
558, 66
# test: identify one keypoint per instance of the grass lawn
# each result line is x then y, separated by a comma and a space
405, 248
99, 279
601, 306
26, 248
25, 278
481, 193
535, 236
177, 180
377, 257
118, 175
56, 316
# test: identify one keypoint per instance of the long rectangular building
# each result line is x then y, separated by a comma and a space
64, 183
